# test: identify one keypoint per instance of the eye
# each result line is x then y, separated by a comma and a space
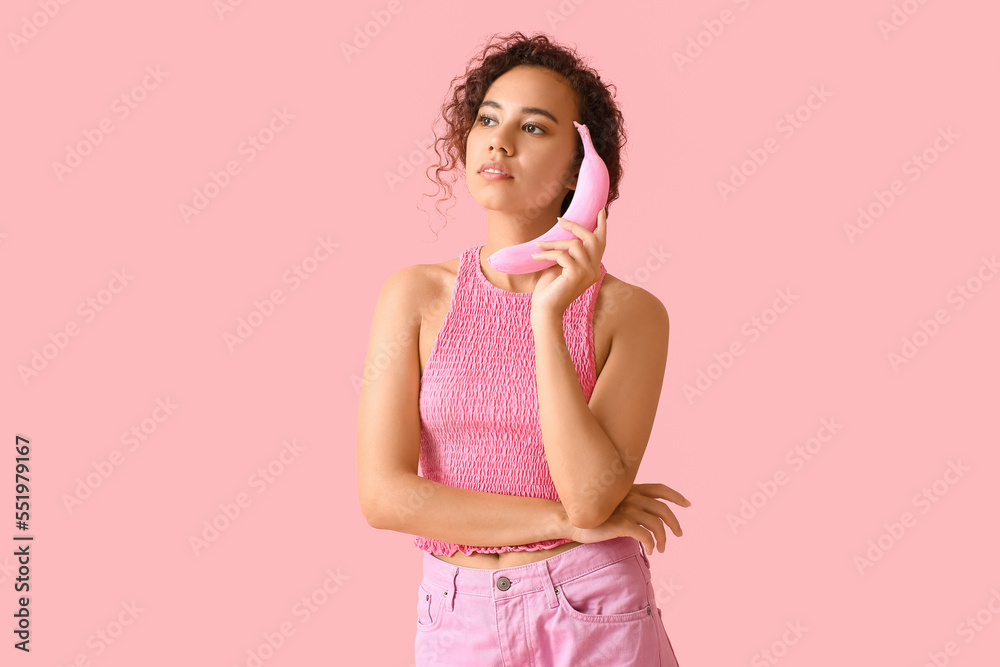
483, 117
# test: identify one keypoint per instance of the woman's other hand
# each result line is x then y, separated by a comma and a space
639, 515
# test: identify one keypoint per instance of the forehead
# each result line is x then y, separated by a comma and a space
525, 86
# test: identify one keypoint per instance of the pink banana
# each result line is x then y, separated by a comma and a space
590, 196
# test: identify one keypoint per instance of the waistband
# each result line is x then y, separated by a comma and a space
544, 575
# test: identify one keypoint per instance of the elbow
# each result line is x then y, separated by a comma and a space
585, 515
374, 512
383, 506
593, 509
371, 514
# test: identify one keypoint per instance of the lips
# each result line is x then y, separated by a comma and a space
495, 165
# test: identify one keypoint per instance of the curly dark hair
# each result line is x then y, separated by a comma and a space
598, 110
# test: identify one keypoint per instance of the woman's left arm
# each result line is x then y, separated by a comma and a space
594, 451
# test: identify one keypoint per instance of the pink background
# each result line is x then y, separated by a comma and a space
727, 594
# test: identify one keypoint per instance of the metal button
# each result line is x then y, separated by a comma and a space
503, 583
648, 611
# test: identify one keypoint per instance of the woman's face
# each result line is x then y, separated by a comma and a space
525, 124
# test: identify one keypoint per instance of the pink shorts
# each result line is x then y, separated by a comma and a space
592, 605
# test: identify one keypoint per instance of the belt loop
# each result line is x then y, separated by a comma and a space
646, 573
449, 595
550, 589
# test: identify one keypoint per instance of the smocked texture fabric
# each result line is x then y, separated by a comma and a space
478, 398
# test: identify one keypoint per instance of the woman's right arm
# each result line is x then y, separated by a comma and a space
391, 493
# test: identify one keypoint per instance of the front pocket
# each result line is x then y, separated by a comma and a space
616, 592
429, 609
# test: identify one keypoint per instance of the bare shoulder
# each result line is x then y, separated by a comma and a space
623, 306
415, 288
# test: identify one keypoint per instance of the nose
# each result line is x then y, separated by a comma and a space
494, 144
498, 141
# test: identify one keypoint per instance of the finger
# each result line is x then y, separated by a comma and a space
578, 230
643, 536
655, 524
593, 244
671, 520
561, 244
576, 249
661, 510
568, 259
663, 491
558, 256
601, 231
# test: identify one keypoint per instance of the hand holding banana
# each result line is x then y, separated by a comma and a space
578, 266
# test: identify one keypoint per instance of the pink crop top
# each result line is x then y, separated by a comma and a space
478, 399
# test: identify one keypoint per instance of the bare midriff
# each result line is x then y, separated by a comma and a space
506, 559
444, 284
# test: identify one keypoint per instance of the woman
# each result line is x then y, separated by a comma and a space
527, 400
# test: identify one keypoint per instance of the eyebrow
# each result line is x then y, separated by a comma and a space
524, 110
